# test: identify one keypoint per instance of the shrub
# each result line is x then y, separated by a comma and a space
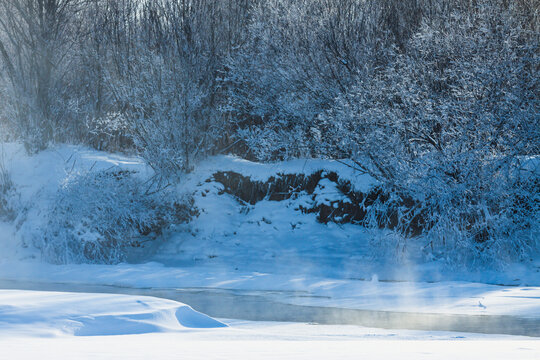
100, 217
451, 124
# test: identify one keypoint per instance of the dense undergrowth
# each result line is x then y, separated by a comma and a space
102, 216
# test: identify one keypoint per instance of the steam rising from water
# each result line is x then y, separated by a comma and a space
259, 306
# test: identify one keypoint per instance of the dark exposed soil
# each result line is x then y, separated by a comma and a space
355, 207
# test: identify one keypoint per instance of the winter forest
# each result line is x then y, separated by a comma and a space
186, 129
437, 100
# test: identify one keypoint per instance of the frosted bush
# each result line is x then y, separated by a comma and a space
448, 127
100, 217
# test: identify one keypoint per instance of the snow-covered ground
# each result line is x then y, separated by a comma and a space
168, 346
269, 249
56, 325
56, 314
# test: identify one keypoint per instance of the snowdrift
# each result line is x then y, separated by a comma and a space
36, 313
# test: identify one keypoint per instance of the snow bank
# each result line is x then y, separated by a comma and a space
37, 177
80, 205
55, 325
36, 313
268, 246
346, 170
40, 179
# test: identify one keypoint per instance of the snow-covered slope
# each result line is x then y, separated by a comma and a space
269, 247
33, 313
37, 180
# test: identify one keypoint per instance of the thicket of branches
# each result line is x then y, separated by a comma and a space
439, 100
102, 217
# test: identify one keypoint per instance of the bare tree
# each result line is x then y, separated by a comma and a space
35, 38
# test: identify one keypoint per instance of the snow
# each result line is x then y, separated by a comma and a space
47, 314
269, 246
56, 325
269, 250
261, 172
327, 193
170, 347
37, 179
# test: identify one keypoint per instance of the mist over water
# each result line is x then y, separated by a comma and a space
260, 306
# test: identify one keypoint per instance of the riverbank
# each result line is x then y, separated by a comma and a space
60, 325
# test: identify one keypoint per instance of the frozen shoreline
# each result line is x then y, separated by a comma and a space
291, 306
60, 325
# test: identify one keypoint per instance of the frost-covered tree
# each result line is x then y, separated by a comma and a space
35, 41
166, 85
453, 124
289, 70
300, 56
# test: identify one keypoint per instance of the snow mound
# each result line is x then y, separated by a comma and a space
36, 313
